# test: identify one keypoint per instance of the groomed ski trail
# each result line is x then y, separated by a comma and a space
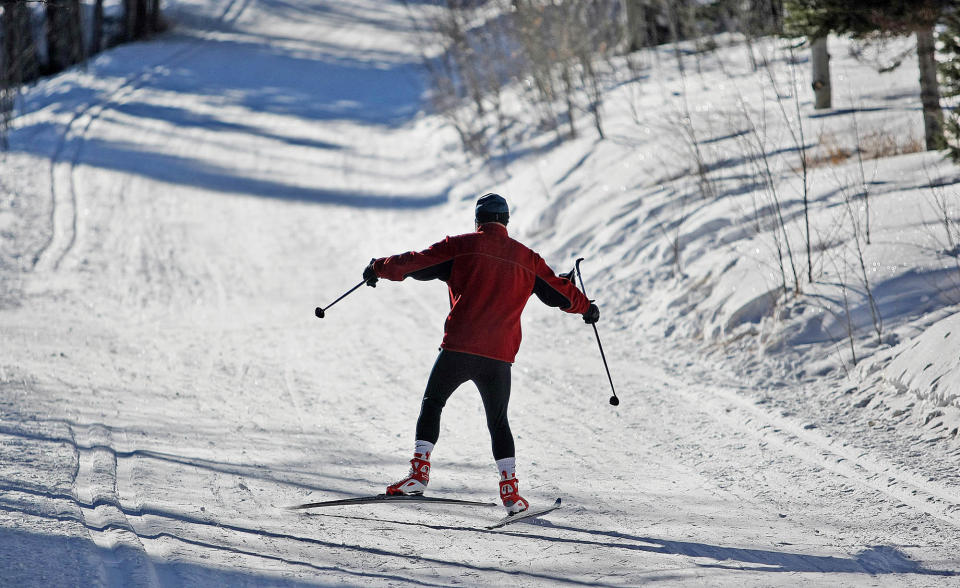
171, 386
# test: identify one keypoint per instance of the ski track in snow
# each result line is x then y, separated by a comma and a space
924, 495
66, 157
153, 432
95, 489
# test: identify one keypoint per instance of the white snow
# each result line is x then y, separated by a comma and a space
172, 213
936, 380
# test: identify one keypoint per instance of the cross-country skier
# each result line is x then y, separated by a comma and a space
490, 277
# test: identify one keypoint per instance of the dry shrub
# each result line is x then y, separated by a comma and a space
874, 145
829, 152
879, 143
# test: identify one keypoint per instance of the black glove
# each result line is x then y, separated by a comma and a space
369, 275
592, 315
569, 276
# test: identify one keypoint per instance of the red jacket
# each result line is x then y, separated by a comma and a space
490, 277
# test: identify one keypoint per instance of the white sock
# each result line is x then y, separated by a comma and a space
507, 468
422, 448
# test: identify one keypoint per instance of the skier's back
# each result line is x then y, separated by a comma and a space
490, 278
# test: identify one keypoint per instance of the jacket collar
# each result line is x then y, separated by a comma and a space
492, 227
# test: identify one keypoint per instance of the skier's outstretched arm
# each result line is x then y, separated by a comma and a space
432, 263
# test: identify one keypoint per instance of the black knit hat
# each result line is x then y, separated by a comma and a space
492, 208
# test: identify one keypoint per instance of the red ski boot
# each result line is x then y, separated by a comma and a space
509, 494
416, 481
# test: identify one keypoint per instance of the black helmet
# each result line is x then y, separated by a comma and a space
492, 208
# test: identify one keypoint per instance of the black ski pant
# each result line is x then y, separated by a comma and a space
492, 378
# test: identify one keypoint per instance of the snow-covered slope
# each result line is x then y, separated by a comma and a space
698, 262
172, 214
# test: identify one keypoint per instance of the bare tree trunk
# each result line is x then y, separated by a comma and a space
18, 59
154, 17
568, 90
592, 86
766, 16
141, 27
128, 15
820, 59
19, 47
65, 45
673, 20
135, 19
930, 90
638, 35
96, 42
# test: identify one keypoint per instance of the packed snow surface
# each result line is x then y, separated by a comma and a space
172, 213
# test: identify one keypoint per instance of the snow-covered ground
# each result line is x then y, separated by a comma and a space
172, 214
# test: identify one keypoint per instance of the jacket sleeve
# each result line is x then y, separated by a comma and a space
432, 263
553, 290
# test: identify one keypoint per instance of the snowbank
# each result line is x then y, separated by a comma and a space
795, 279
928, 365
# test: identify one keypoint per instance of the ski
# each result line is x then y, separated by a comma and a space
388, 498
530, 513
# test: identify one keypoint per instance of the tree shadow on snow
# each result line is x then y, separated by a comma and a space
185, 118
50, 516
371, 89
848, 111
74, 561
301, 479
378, 90
878, 559
128, 158
127, 563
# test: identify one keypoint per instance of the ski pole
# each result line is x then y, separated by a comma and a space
321, 312
613, 399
